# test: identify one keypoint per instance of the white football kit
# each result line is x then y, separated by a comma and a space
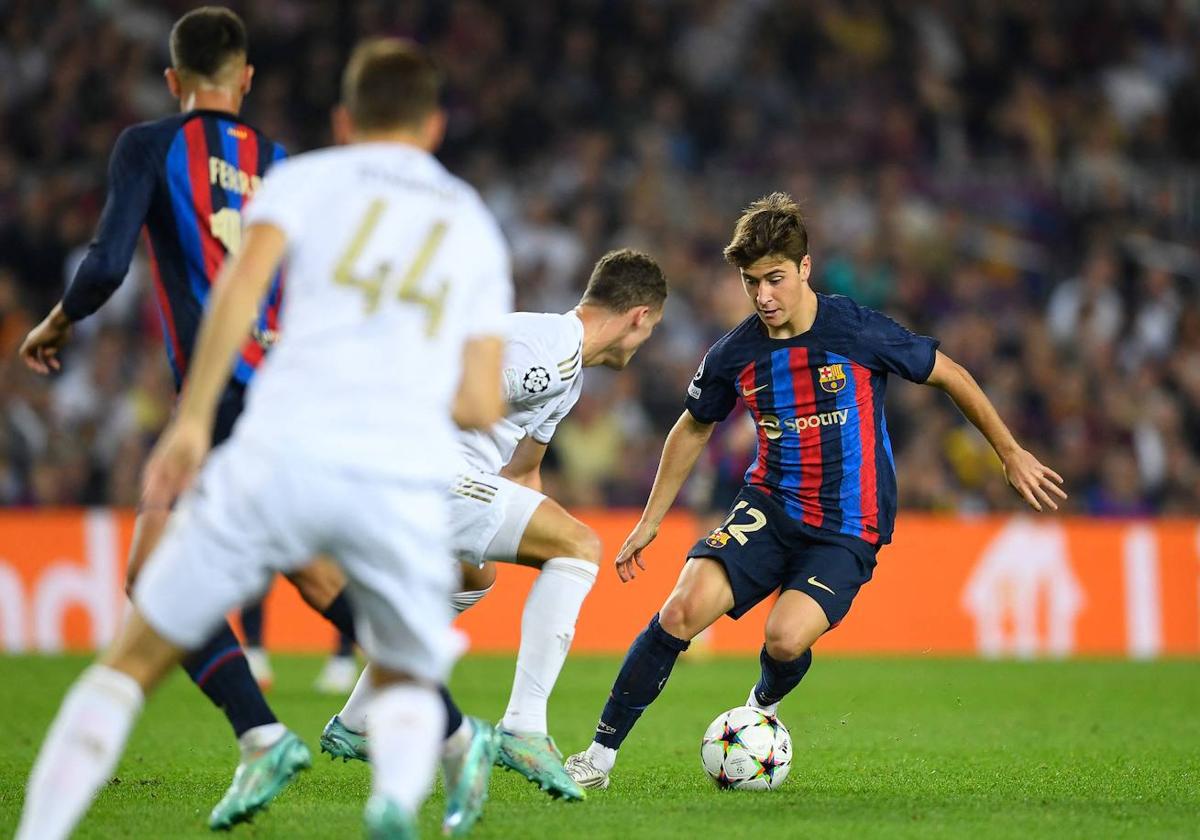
543, 377
346, 445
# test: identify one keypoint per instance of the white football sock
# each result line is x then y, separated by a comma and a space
454, 746
80, 751
604, 758
260, 738
354, 714
406, 725
768, 709
463, 601
547, 627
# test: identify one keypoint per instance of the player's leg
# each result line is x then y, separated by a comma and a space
823, 580
344, 735
701, 596
184, 591
229, 537
567, 552
795, 623
322, 585
256, 654
218, 667
735, 567
400, 589
88, 734
536, 531
477, 581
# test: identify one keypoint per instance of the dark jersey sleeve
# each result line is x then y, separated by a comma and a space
889, 346
711, 395
130, 187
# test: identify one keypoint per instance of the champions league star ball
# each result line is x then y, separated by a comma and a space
744, 749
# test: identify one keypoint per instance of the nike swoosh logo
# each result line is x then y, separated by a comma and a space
746, 392
813, 580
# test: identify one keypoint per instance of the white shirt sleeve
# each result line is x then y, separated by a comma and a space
543, 433
283, 198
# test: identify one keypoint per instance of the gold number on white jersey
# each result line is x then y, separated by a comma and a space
371, 285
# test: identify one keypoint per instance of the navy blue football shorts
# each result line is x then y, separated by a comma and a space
229, 409
763, 550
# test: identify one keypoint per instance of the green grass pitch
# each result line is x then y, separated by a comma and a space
883, 748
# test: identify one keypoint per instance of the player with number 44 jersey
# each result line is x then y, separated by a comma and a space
819, 499
391, 343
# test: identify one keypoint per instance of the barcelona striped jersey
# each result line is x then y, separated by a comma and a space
185, 180
817, 401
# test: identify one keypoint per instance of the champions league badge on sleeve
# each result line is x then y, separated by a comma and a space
537, 379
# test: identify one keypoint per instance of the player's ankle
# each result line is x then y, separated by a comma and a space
766, 708
259, 738
602, 757
457, 742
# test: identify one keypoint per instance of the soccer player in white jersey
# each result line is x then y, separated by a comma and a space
397, 278
498, 512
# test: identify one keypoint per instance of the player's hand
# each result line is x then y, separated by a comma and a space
39, 350
173, 464
1036, 483
631, 551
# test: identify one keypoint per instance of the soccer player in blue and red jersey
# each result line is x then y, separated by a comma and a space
185, 180
819, 500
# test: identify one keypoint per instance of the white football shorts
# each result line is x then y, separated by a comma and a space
256, 511
488, 516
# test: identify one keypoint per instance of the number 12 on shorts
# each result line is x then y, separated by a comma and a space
741, 531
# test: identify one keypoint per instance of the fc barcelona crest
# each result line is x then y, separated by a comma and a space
717, 539
832, 378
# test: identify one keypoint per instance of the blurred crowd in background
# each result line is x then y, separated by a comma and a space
1019, 179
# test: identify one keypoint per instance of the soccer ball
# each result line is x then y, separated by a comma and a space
747, 750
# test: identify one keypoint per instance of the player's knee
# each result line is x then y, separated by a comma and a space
677, 618
785, 645
581, 542
318, 583
588, 546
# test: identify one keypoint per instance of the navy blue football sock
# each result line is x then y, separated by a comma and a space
252, 624
641, 679
778, 678
341, 616
345, 645
220, 670
454, 715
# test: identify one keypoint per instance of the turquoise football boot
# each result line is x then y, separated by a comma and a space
342, 743
260, 779
467, 779
385, 820
536, 757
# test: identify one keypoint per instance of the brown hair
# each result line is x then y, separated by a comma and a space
205, 39
624, 279
390, 83
770, 226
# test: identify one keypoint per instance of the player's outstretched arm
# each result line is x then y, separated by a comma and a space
238, 291
685, 442
1037, 484
130, 185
